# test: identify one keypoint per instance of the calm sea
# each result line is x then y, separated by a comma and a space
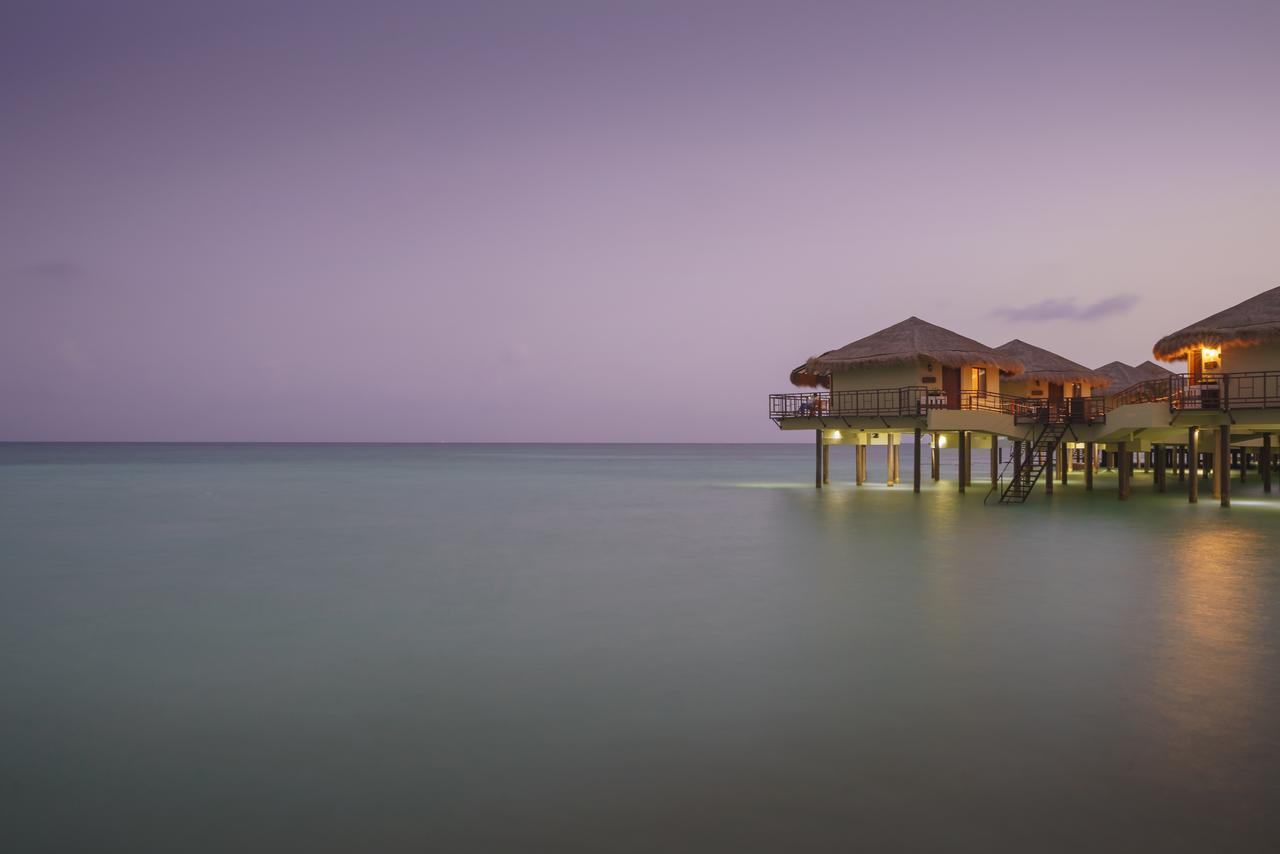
622, 648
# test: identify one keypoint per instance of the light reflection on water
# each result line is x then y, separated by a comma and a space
622, 648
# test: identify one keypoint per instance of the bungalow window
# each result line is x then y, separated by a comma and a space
1077, 390
979, 380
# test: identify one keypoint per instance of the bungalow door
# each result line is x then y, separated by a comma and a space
1055, 400
951, 386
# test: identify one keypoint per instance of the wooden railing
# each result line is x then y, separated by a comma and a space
1226, 392
1183, 392
912, 401
1066, 410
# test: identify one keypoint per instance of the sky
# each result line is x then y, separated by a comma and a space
598, 221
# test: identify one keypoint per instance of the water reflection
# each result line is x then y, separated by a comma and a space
1210, 666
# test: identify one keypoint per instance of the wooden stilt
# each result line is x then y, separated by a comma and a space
1123, 462
995, 460
1050, 458
1064, 458
817, 458
915, 473
962, 451
1224, 445
1193, 453
1265, 463
1089, 454
888, 458
826, 463
1160, 462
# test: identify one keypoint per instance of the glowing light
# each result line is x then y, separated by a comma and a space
942, 441
835, 434
1210, 354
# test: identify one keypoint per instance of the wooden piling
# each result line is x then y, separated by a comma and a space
1160, 467
1224, 445
1193, 453
1265, 463
915, 474
961, 441
817, 458
1049, 460
826, 463
1124, 461
1089, 453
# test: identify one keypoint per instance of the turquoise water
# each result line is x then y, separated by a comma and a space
622, 648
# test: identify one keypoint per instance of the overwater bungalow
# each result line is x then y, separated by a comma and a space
1123, 376
919, 378
906, 378
1051, 380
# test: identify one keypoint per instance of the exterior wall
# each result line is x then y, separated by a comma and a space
884, 376
1264, 357
899, 376
1025, 388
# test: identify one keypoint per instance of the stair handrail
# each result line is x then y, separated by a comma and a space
998, 485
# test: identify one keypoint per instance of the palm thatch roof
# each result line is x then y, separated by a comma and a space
1040, 364
1122, 376
1253, 321
802, 377
907, 342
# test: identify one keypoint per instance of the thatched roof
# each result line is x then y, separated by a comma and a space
905, 343
1040, 364
1253, 321
1122, 376
804, 378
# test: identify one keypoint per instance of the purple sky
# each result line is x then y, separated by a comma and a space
598, 221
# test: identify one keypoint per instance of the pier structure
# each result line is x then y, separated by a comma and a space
1042, 417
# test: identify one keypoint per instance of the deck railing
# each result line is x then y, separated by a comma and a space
913, 401
1225, 392
1214, 392
1065, 410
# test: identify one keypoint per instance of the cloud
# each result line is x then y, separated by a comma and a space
1066, 309
50, 271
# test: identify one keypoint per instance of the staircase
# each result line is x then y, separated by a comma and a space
1020, 487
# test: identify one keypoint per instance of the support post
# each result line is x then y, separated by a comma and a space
1193, 454
1224, 444
1160, 463
935, 458
817, 459
1180, 454
1123, 463
1089, 453
1017, 459
888, 458
1064, 458
826, 463
860, 464
995, 460
915, 473
1265, 463
1049, 459
962, 439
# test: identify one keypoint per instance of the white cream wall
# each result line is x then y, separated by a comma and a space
1264, 357
1023, 388
898, 376
884, 376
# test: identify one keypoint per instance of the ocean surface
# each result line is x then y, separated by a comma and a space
623, 648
